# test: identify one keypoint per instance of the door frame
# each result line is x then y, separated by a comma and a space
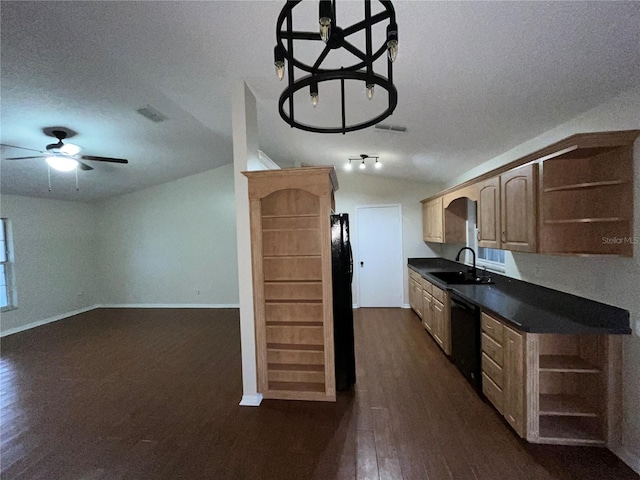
356, 254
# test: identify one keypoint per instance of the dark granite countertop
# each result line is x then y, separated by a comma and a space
528, 307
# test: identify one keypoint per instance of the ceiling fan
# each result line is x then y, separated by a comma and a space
64, 156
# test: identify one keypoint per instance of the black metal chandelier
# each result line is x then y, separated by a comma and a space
335, 37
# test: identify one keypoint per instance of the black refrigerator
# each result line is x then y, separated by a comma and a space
342, 269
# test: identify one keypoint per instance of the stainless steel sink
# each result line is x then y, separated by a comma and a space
458, 278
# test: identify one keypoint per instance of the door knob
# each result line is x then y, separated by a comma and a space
362, 264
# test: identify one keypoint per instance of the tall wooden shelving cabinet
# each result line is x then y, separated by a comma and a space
293, 301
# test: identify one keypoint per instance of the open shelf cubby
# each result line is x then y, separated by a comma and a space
572, 391
586, 203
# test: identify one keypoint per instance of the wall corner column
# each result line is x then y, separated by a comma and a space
244, 117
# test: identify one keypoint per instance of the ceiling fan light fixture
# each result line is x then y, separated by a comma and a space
378, 164
62, 164
70, 149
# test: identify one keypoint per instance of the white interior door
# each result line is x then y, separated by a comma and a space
379, 262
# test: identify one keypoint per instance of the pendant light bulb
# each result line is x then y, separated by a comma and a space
370, 90
313, 91
392, 41
392, 49
324, 16
278, 55
325, 29
348, 167
378, 165
362, 165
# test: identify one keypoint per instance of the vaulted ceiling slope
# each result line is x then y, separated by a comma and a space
474, 79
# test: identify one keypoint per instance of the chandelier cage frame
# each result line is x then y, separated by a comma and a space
360, 71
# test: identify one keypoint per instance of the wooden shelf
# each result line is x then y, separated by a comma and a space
579, 186
565, 363
586, 220
565, 405
569, 431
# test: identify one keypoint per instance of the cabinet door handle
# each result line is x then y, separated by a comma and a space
503, 237
478, 235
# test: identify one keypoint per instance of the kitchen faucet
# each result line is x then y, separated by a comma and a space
474, 258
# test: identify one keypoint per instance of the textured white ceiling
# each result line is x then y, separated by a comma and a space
474, 79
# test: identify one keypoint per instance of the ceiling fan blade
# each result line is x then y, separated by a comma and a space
22, 148
24, 158
83, 166
104, 159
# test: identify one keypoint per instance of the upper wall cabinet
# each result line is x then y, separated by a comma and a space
444, 223
488, 213
507, 210
433, 220
518, 209
587, 203
574, 197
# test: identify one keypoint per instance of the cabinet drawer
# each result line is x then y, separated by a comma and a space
414, 275
493, 328
437, 293
492, 348
426, 286
493, 370
493, 392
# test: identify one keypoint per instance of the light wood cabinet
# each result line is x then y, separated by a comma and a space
292, 282
574, 197
518, 191
514, 380
443, 222
553, 389
431, 304
433, 220
587, 203
488, 213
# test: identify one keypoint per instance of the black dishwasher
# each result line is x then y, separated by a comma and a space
465, 340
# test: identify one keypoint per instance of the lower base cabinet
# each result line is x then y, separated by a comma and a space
431, 304
553, 389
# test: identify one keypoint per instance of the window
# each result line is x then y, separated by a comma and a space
7, 290
491, 258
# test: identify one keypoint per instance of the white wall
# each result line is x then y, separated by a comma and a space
55, 246
357, 189
615, 281
164, 244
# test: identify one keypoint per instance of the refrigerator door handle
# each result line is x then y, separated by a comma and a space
350, 264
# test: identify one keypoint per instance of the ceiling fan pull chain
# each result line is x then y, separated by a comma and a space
77, 189
49, 173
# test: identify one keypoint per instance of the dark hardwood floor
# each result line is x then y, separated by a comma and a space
153, 394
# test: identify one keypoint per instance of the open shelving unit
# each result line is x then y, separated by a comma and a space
291, 254
586, 199
573, 389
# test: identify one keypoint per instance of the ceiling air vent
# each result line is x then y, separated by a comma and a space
391, 128
152, 114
